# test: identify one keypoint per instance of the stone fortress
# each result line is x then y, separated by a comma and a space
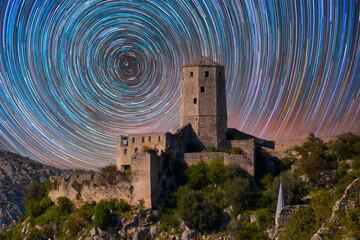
156, 158
203, 124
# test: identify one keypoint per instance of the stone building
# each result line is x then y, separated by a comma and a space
203, 124
203, 101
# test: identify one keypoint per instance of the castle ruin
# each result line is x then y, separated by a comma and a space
203, 124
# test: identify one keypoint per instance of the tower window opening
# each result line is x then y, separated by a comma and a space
206, 73
195, 100
202, 89
125, 151
143, 139
136, 150
191, 74
149, 139
133, 140
220, 74
159, 138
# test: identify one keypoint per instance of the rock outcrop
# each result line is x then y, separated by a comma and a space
17, 173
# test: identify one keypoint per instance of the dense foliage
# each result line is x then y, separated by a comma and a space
211, 193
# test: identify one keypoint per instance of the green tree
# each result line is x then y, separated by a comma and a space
33, 208
302, 225
64, 205
233, 171
347, 146
294, 188
197, 175
35, 192
238, 193
102, 215
312, 165
217, 171
198, 212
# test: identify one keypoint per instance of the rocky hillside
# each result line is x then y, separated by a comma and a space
16, 174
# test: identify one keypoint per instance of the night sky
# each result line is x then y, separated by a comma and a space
76, 74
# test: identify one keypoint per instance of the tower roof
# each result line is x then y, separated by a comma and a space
204, 62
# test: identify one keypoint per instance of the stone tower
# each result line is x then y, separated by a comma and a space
203, 101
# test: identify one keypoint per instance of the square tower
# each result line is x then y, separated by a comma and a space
203, 101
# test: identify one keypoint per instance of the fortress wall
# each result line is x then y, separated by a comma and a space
194, 158
141, 177
246, 163
138, 142
155, 178
248, 146
283, 145
89, 190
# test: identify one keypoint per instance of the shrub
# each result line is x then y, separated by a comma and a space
168, 221
311, 165
102, 215
199, 213
50, 215
77, 186
77, 222
233, 171
216, 171
33, 208
302, 225
119, 206
238, 193
109, 175
35, 192
313, 145
246, 231
236, 150
267, 181
322, 203
147, 149
64, 205
294, 189
197, 175
265, 218
347, 146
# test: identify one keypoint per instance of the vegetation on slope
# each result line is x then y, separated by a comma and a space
219, 200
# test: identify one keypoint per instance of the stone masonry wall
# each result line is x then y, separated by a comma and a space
83, 188
242, 160
136, 143
142, 186
283, 145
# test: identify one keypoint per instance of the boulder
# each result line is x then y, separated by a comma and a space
317, 237
154, 230
93, 232
141, 234
188, 234
253, 218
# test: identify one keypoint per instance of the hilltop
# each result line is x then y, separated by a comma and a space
209, 200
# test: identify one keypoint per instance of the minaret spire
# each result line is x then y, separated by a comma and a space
281, 200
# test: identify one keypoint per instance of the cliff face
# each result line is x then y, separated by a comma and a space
16, 174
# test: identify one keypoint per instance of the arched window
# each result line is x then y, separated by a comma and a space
125, 151
136, 150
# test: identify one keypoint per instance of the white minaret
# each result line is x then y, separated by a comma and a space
280, 203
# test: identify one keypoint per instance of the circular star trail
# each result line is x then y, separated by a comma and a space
76, 74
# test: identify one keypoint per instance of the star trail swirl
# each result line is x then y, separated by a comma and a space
76, 74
